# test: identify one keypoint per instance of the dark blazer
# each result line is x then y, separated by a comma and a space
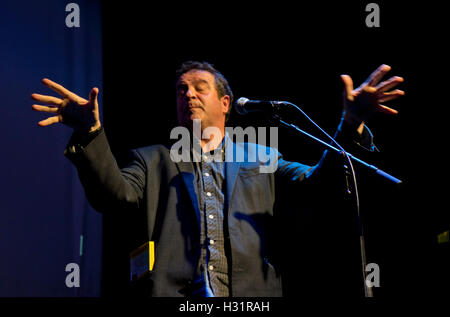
164, 190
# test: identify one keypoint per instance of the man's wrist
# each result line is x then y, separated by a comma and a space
88, 130
360, 135
353, 122
95, 128
83, 138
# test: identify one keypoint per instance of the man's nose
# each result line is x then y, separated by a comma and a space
190, 93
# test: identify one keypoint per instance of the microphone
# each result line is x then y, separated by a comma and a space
244, 105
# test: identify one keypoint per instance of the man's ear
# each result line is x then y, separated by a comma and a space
225, 103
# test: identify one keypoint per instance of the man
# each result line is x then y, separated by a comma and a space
210, 219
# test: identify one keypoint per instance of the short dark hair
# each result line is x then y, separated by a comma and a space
222, 86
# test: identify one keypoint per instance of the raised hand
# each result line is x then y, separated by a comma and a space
361, 103
72, 110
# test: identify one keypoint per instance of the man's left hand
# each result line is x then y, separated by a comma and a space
361, 103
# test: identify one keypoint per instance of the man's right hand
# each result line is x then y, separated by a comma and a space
78, 113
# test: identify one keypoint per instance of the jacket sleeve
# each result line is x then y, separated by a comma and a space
107, 187
329, 171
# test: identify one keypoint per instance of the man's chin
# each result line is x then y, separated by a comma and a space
188, 121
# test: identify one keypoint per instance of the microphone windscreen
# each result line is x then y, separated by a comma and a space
239, 105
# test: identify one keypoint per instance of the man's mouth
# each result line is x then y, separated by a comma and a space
190, 107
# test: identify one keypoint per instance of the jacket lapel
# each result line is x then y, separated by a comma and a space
187, 172
231, 170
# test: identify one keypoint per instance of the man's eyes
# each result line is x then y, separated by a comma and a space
200, 87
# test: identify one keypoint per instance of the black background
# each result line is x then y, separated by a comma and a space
296, 51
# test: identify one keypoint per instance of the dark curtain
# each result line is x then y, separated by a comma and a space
45, 219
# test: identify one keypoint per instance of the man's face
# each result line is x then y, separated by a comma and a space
197, 98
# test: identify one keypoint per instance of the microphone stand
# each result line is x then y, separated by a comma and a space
330, 147
348, 172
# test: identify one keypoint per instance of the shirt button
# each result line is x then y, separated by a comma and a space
206, 174
211, 217
208, 194
211, 241
211, 268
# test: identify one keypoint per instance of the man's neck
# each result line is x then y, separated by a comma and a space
213, 141
210, 137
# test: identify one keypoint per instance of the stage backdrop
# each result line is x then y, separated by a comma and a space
45, 220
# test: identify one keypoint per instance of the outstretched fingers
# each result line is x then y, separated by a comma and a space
390, 83
93, 96
386, 96
50, 121
62, 91
49, 109
72, 110
387, 110
47, 99
348, 83
376, 76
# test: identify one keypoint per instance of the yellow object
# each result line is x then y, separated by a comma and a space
142, 260
151, 260
443, 237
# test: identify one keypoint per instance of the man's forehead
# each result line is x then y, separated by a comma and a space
197, 75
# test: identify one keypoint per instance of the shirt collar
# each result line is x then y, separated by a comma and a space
218, 154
